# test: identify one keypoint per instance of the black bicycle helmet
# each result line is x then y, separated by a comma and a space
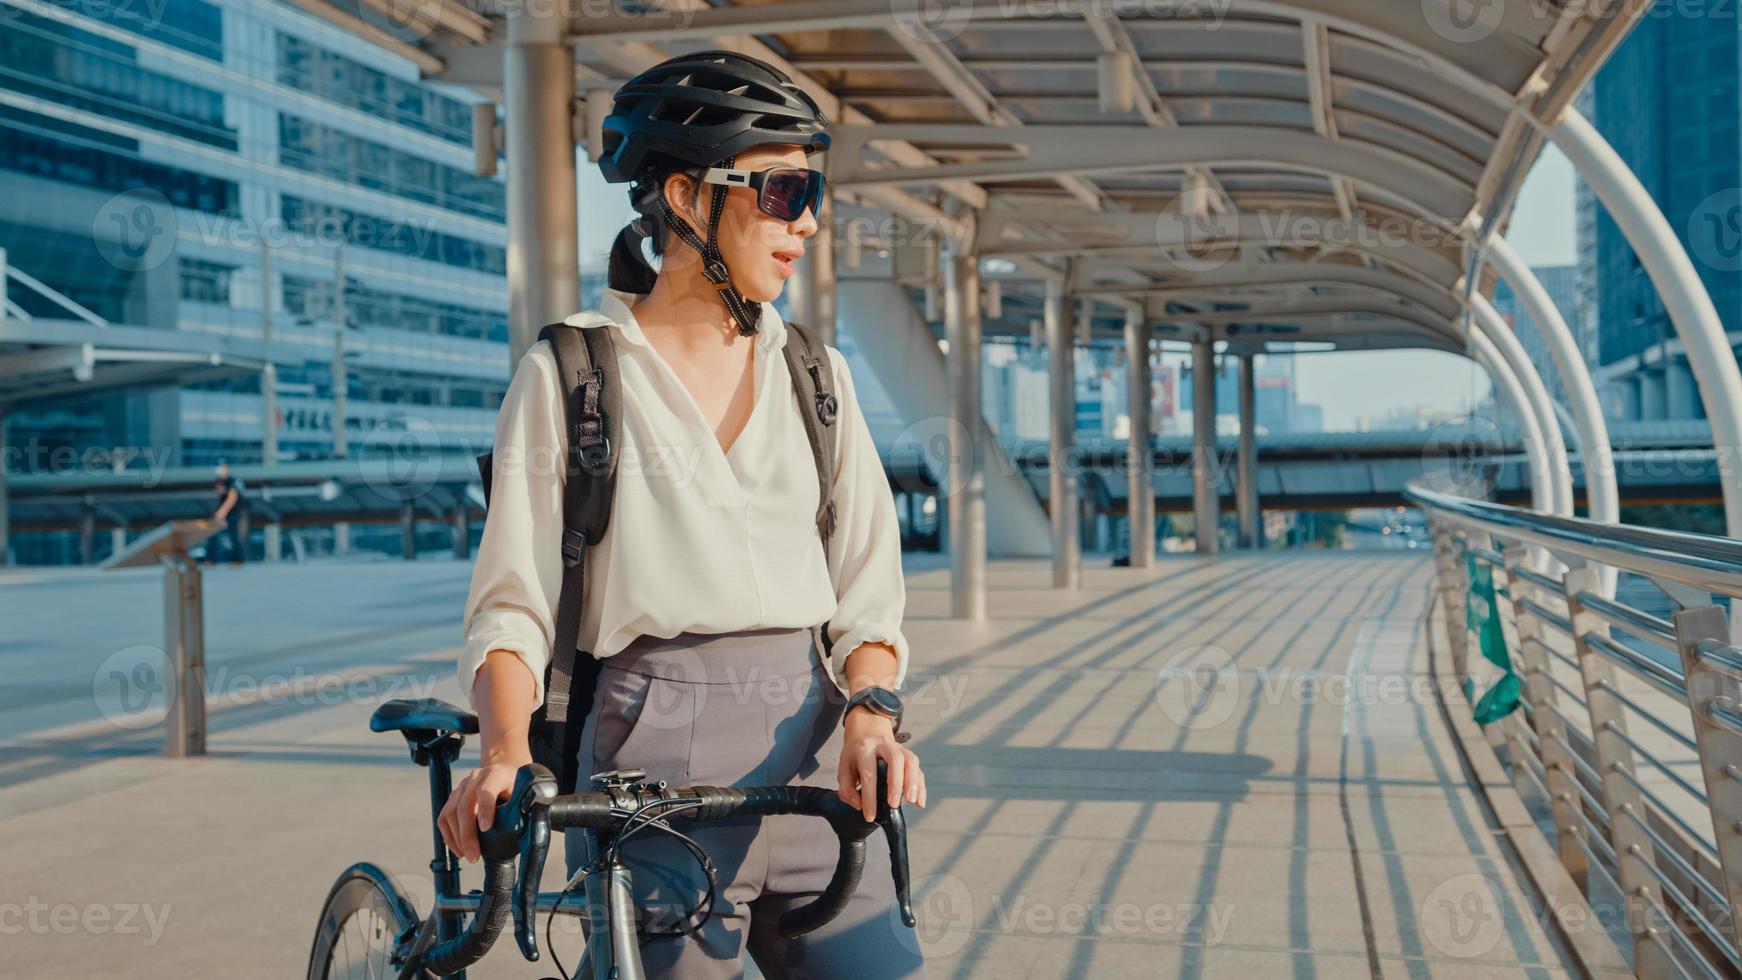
699, 109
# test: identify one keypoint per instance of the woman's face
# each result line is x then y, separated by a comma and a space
760, 250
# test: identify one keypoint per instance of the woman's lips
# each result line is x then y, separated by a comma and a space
785, 260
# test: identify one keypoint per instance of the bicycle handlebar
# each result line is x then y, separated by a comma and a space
533, 809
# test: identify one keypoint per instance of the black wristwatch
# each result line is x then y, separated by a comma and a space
881, 701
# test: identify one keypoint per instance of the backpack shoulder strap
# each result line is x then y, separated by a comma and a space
813, 379
586, 361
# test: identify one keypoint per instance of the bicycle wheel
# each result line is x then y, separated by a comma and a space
365, 923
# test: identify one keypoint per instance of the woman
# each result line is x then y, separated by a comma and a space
705, 592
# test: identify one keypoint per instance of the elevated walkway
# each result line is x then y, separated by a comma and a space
1158, 775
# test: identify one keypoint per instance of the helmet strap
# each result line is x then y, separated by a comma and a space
714, 268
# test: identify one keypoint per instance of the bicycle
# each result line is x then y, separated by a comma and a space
367, 904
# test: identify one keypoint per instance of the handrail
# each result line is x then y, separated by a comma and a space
1700, 560
1666, 848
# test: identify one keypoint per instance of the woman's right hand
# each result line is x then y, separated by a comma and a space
472, 805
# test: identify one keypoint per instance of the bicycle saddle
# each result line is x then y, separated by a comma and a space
424, 714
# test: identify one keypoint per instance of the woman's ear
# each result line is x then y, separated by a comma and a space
680, 194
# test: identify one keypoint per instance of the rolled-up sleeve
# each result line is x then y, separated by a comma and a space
517, 575
865, 551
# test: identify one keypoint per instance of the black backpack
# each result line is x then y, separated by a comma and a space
586, 360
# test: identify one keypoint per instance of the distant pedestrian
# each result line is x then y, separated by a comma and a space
229, 490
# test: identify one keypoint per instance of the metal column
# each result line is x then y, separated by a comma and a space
184, 648
1678, 286
812, 292
1206, 482
408, 530
538, 72
1246, 486
462, 531
1140, 451
1067, 566
966, 485
5, 464
269, 369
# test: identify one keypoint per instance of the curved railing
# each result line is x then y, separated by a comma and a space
1627, 741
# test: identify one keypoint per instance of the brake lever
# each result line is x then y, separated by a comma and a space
894, 824
523, 823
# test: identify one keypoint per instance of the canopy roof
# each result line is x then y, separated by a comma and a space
1266, 171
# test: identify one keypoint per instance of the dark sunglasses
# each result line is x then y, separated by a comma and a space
784, 192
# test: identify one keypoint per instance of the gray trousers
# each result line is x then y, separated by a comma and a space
752, 708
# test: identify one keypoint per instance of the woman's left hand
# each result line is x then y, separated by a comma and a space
870, 737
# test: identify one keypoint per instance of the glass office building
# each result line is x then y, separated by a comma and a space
161, 162
1667, 101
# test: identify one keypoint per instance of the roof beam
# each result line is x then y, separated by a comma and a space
934, 55
1114, 39
1089, 149
1396, 25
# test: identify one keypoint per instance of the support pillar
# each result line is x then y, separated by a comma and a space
5, 466
272, 536
1206, 496
1140, 449
408, 530
1067, 565
462, 532
184, 647
1678, 286
269, 369
1246, 488
88, 533
966, 489
812, 290
538, 72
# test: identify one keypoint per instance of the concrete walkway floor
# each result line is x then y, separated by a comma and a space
1231, 768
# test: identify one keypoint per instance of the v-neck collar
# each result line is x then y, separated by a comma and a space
616, 308
616, 311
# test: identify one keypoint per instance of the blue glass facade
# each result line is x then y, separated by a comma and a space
1668, 100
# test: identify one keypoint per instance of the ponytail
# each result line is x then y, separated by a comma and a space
628, 271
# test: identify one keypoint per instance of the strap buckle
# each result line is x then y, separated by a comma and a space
574, 547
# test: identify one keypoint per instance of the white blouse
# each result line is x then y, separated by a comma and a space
699, 539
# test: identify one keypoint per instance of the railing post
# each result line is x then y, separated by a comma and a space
1613, 758
1715, 698
1448, 560
1539, 692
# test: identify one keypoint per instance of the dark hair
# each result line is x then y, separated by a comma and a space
628, 270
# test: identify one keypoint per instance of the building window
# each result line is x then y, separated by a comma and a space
205, 282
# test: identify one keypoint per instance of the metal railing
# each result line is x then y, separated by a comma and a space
1629, 742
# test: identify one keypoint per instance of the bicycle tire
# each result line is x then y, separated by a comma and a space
365, 920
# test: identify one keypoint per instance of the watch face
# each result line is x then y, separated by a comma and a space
883, 700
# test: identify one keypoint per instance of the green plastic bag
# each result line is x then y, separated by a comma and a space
1482, 614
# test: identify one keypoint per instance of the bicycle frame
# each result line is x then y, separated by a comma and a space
614, 951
